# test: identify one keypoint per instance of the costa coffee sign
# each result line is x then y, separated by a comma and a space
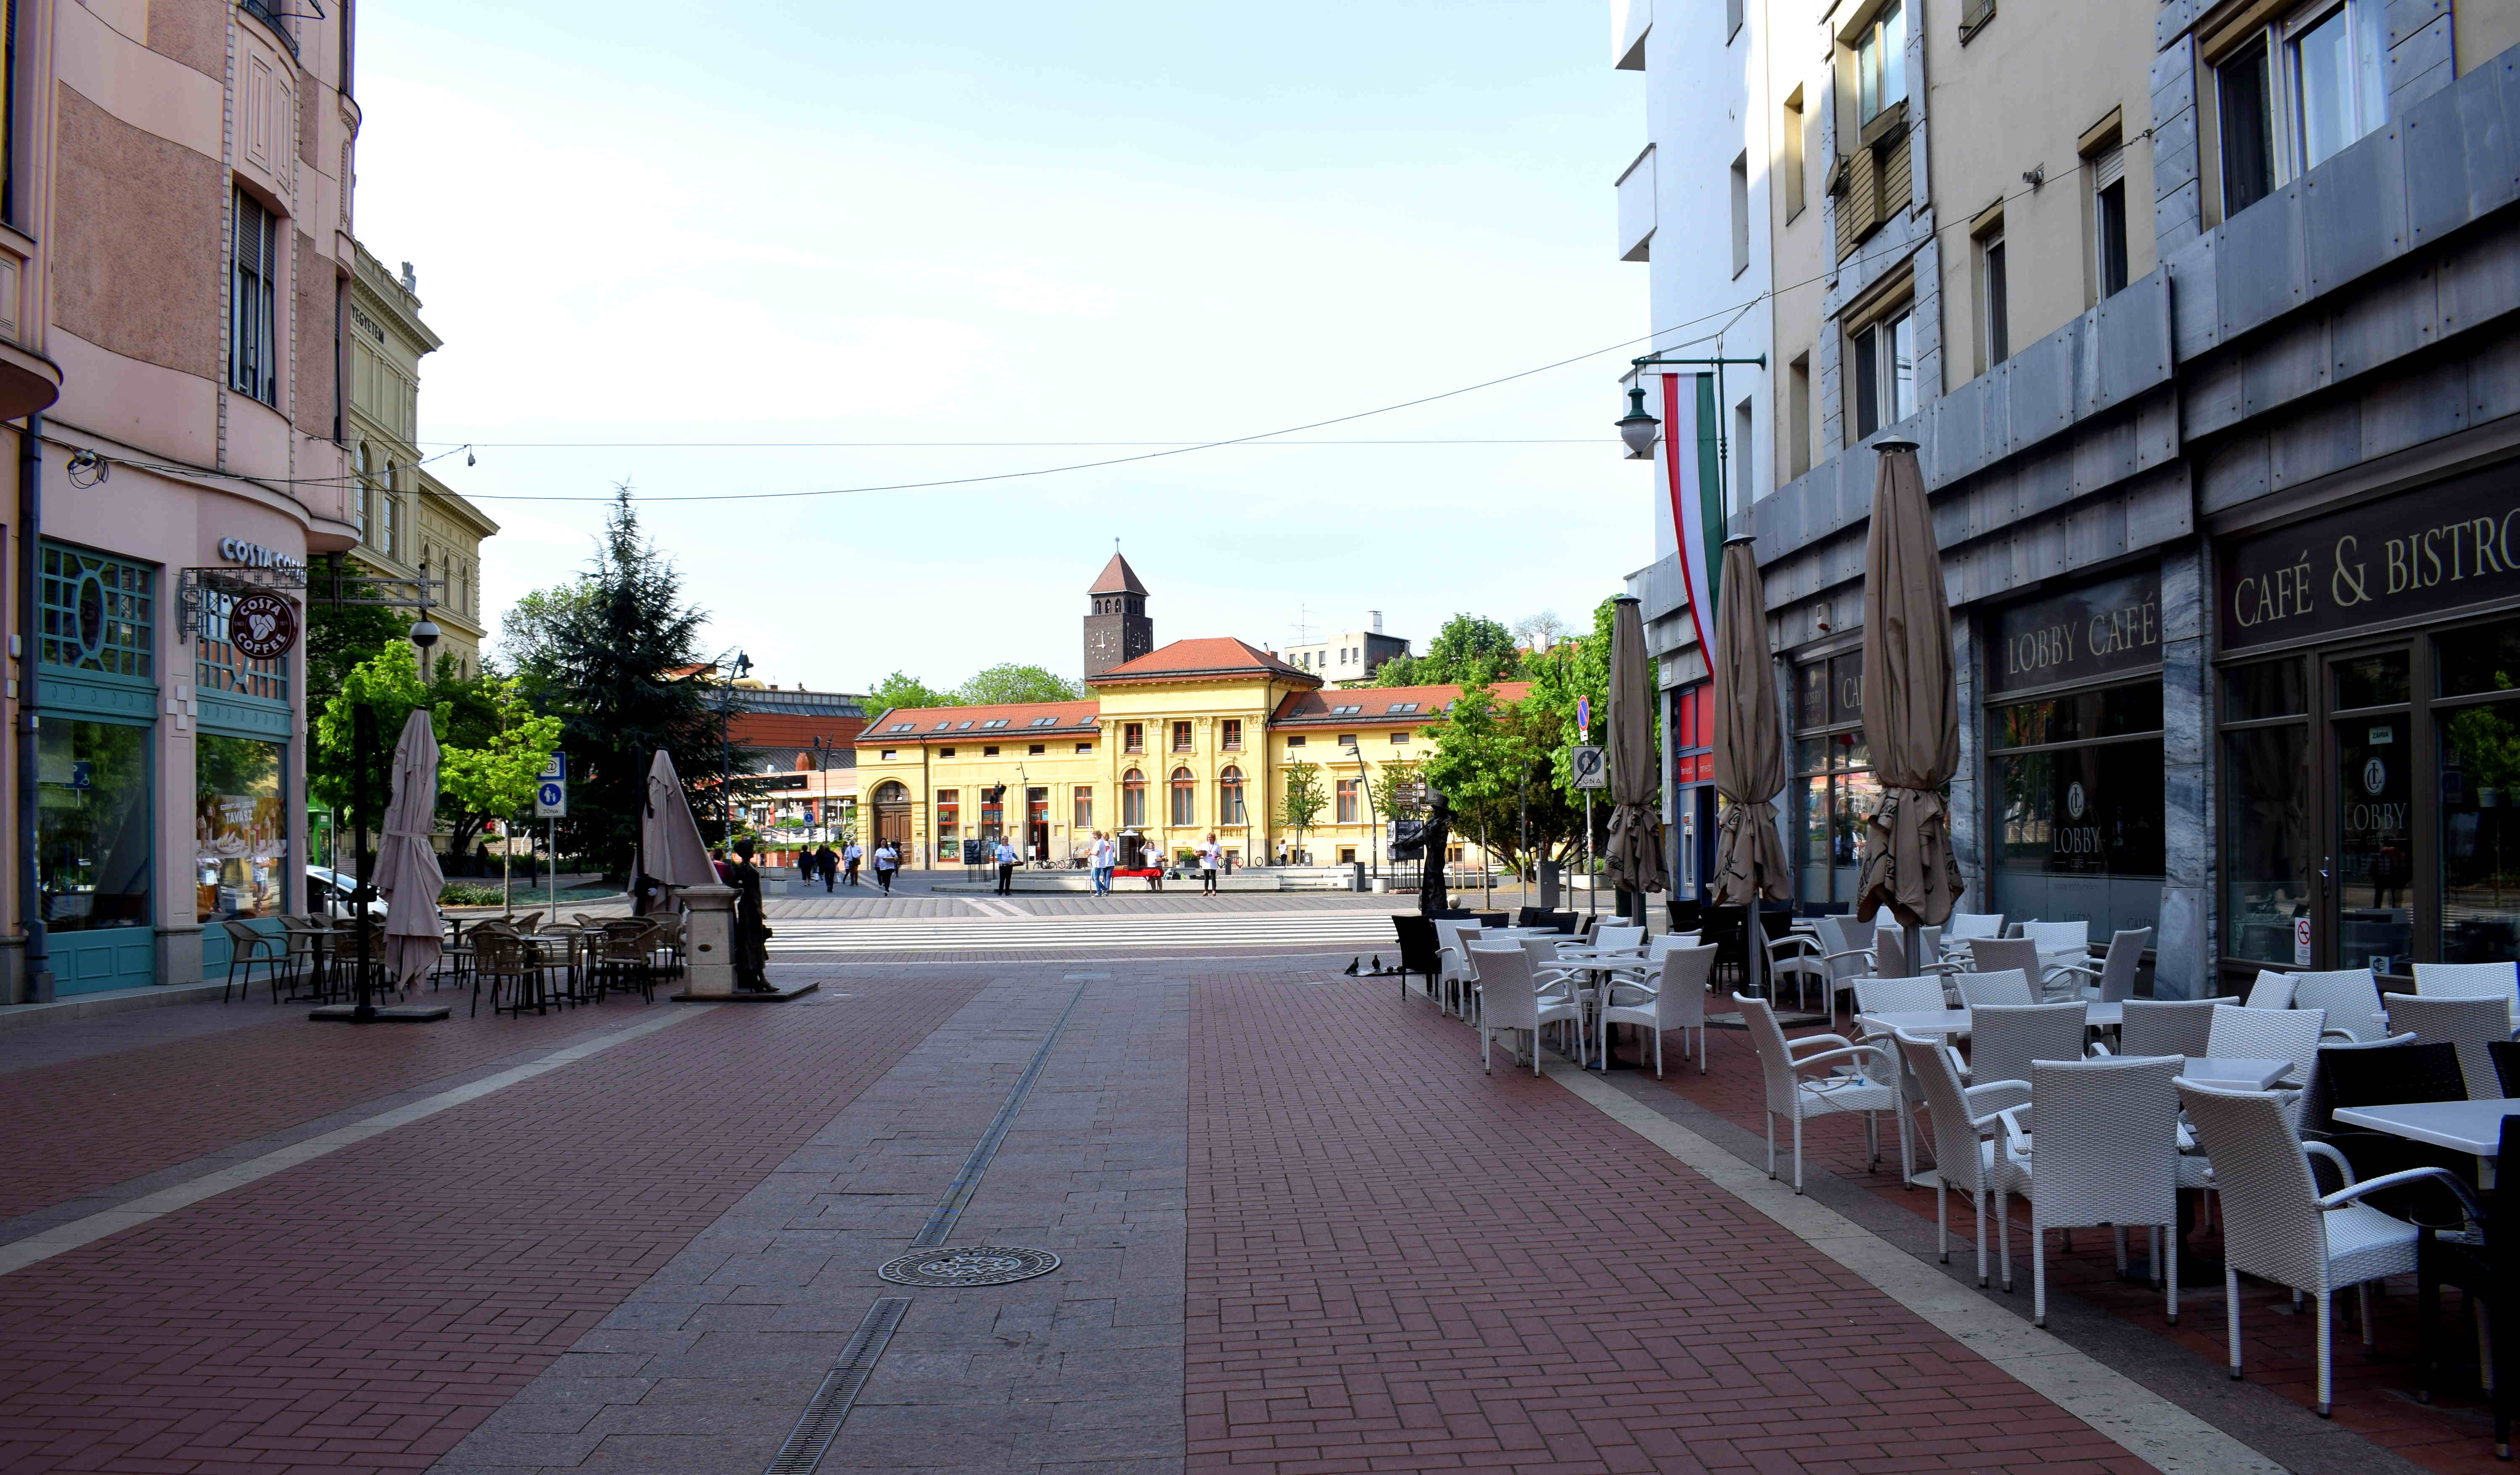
2426, 552
262, 626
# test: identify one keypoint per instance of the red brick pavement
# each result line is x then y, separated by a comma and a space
362, 1311
84, 1125
2373, 1398
1399, 1264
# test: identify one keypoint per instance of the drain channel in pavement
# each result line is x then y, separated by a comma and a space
928, 1264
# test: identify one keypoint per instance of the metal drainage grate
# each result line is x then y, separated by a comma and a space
971, 1265
812, 1437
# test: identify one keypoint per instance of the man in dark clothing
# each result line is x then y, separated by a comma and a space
830, 859
751, 933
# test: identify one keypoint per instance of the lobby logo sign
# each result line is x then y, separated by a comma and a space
2098, 630
2420, 552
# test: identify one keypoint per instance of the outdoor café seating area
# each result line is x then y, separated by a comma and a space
2317, 1134
521, 964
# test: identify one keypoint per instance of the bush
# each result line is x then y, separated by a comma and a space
457, 894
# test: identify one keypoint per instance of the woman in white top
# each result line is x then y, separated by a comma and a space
1210, 857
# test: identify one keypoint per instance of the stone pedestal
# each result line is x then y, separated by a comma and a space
711, 963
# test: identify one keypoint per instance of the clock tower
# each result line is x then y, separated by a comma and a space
1116, 628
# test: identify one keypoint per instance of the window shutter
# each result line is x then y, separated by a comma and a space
1898, 183
2108, 166
1859, 209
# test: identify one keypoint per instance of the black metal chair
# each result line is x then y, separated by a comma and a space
2483, 1264
2386, 1075
1684, 916
1417, 951
249, 946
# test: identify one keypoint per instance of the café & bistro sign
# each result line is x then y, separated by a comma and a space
2442, 548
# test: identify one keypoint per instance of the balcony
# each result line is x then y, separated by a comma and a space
273, 18
1636, 207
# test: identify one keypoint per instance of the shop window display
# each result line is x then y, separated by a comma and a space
239, 829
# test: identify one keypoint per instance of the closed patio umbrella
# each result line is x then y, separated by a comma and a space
1636, 858
1749, 746
1910, 704
408, 875
670, 847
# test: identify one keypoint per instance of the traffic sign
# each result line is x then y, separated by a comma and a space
551, 799
556, 770
1590, 771
1584, 715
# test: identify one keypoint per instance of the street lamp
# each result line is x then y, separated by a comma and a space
1637, 427
726, 748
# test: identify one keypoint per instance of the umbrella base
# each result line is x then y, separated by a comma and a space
391, 1013
771, 995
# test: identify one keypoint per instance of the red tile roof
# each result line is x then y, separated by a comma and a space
1196, 659
1117, 578
1373, 705
964, 724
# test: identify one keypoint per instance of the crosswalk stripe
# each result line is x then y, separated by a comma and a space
842, 935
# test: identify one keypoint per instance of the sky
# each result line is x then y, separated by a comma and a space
723, 251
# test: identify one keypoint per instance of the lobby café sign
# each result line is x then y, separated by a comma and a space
2096, 630
2423, 552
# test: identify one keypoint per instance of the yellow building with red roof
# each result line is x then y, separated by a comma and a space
1176, 742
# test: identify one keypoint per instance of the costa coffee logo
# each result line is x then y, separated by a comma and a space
262, 626
255, 556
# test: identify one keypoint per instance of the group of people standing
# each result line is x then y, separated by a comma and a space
840, 866
1102, 857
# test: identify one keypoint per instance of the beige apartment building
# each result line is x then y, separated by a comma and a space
2202, 318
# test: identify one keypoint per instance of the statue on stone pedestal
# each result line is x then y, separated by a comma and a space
1439, 839
751, 933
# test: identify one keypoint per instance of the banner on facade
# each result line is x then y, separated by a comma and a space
1688, 520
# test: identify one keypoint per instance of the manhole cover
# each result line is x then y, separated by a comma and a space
971, 1265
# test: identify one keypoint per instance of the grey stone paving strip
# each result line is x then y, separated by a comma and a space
949, 1209
118, 1194
2258, 1416
706, 1367
60, 1238
2145, 1425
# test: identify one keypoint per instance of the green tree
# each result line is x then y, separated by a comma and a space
1395, 788
388, 684
1573, 670
493, 775
1012, 682
340, 636
614, 657
902, 690
1469, 646
1477, 764
1303, 800
533, 631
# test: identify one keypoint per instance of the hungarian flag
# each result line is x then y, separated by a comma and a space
1690, 522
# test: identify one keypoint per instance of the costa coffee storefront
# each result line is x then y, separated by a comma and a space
2368, 677
2073, 741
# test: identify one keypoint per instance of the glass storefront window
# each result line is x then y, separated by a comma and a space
239, 829
1834, 789
2270, 689
2480, 794
92, 828
2372, 681
2375, 844
2266, 845
2074, 792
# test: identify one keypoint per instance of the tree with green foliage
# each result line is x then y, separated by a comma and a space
1469, 645
1012, 682
340, 636
902, 690
1477, 764
1303, 800
1397, 789
613, 652
386, 683
533, 630
493, 777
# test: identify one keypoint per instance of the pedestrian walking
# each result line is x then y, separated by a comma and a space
1006, 858
830, 863
1100, 859
1210, 857
853, 855
886, 861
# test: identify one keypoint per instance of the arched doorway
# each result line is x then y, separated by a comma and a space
893, 816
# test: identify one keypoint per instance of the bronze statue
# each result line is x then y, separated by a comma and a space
1439, 839
751, 933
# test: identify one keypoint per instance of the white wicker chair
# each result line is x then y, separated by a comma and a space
2272, 990
2114, 981
2003, 1039
1674, 997
2011, 986
1964, 926
1863, 1078
2063, 946
2469, 980
2168, 1026
1897, 996
1457, 977
2352, 999
1963, 1156
2102, 1148
2248, 1034
1510, 999
2471, 1024
2007, 954
2276, 1226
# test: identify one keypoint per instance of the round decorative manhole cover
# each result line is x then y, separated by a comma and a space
971, 1265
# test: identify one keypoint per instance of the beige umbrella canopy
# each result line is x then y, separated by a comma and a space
408, 875
1911, 703
1636, 858
670, 847
1749, 738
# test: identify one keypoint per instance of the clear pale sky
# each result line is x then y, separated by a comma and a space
849, 222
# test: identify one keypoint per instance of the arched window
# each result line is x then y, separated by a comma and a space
1133, 800
1185, 797
1228, 797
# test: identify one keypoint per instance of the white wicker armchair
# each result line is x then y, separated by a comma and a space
1672, 998
2098, 1146
1511, 1000
1861, 1078
1964, 1153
